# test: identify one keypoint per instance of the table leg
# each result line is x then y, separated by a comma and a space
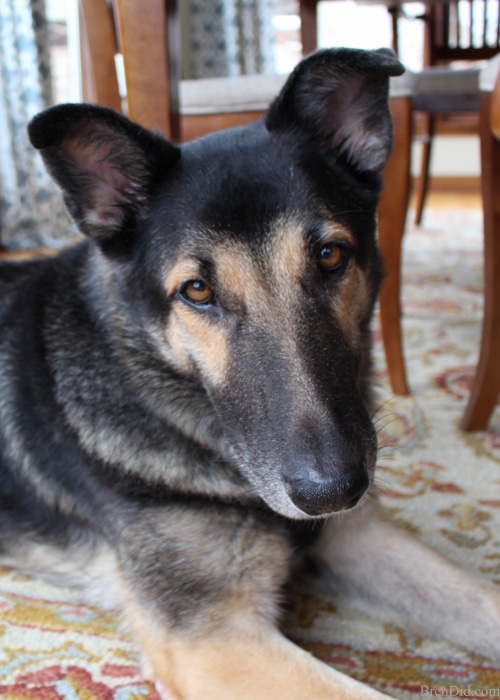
486, 385
391, 223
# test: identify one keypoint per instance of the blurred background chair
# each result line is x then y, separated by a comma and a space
458, 33
146, 35
486, 384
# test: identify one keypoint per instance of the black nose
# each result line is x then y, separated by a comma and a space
316, 494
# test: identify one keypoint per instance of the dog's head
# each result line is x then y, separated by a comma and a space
250, 257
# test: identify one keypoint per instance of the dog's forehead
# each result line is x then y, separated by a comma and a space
244, 201
243, 176
244, 179
279, 262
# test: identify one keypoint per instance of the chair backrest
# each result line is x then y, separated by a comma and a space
462, 30
98, 50
145, 35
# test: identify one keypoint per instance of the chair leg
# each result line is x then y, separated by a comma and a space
422, 186
392, 216
486, 385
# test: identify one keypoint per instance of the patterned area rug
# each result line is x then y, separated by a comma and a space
439, 482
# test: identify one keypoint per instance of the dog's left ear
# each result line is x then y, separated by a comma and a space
106, 166
337, 101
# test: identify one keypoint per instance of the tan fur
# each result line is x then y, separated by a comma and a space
185, 269
385, 571
243, 661
204, 342
288, 252
238, 275
334, 231
176, 350
37, 253
350, 303
196, 341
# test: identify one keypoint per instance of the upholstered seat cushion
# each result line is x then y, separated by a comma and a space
239, 94
441, 89
249, 93
449, 80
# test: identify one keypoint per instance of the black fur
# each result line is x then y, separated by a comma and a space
102, 439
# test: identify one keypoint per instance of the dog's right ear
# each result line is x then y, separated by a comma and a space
106, 165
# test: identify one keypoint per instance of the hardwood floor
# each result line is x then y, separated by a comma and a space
453, 195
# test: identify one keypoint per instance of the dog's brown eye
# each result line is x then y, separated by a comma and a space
332, 256
197, 292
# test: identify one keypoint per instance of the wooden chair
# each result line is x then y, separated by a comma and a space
183, 110
482, 87
455, 31
486, 385
147, 36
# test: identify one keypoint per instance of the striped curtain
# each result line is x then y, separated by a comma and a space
31, 208
227, 37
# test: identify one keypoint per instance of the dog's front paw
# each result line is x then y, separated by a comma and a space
163, 693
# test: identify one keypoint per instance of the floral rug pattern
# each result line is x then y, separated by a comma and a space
439, 482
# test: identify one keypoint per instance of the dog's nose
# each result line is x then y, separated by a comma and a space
315, 494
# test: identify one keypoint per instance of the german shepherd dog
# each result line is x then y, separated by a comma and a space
185, 398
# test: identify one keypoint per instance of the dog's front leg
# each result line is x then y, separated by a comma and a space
242, 661
203, 588
385, 571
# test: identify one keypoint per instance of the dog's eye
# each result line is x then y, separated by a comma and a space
197, 292
332, 256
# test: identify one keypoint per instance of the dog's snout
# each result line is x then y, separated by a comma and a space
315, 494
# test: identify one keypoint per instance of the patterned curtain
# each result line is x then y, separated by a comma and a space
227, 37
31, 208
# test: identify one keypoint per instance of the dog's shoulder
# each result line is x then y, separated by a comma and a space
19, 270
31, 290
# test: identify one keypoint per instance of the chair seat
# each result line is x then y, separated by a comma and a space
248, 93
243, 93
449, 79
402, 85
444, 89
